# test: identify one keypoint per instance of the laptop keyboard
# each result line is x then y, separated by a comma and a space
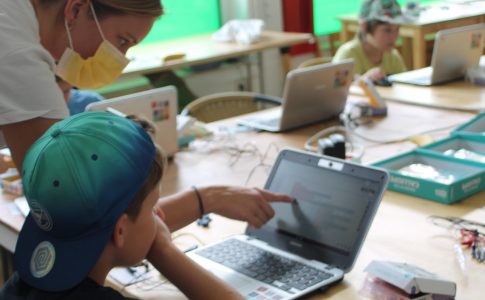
264, 266
270, 122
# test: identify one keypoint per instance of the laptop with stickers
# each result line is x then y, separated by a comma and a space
310, 95
157, 105
307, 245
454, 51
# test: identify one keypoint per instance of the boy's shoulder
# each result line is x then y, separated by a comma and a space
352, 45
351, 48
16, 289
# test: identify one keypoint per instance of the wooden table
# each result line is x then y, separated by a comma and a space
457, 95
432, 19
401, 231
198, 49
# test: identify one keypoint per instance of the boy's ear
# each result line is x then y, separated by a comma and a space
120, 230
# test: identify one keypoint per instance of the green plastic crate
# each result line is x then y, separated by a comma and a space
469, 177
473, 143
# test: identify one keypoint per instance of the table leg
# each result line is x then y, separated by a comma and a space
419, 50
344, 32
249, 81
407, 52
261, 72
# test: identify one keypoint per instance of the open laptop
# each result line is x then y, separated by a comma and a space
308, 245
454, 51
157, 105
310, 95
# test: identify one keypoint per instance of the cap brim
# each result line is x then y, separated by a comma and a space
398, 20
60, 267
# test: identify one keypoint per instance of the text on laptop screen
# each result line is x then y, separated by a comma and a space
336, 209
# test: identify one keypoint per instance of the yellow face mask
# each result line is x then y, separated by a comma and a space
101, 69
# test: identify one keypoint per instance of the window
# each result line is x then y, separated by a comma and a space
184, 18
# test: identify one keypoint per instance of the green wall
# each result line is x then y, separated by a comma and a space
325, 13
185, 18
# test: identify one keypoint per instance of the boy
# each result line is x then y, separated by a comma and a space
373, 48
92, 181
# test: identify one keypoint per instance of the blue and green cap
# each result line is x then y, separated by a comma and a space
387, 11
78, 178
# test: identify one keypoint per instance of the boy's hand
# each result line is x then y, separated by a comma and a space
163, 237
246, 204
375, 74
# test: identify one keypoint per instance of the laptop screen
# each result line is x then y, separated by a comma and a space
336, 205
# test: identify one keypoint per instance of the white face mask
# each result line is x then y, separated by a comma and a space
101, 69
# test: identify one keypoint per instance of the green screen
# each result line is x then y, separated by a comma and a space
325, 13
184, 18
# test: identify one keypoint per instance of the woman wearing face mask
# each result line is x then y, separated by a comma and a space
88, 39
373, 48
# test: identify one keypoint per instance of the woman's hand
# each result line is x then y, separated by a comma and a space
246, 204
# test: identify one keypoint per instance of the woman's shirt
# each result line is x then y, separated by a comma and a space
391, 63
28, 88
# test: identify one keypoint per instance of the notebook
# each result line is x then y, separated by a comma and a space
454, 51
312, 243
157, 105
310, 95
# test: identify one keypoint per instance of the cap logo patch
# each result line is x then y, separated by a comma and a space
41, 216
42, 259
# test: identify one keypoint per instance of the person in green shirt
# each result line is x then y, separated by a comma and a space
373, 47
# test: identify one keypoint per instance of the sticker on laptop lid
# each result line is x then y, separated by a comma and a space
341, 78
161, 110
476, 41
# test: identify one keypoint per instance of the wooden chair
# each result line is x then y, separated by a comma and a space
315, 61
226, 105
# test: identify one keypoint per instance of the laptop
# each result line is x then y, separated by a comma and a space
310, 95
454, 51
308, 245
157, 105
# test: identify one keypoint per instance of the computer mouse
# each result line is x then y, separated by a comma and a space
383, 82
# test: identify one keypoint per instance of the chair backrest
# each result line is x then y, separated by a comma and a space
226, 105
315, 61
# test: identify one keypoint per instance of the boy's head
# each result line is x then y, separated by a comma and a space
387, 11
80, 178
380, 21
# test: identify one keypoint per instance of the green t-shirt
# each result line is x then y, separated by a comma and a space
392, 62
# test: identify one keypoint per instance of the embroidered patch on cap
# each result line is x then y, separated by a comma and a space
42, 259
41, 216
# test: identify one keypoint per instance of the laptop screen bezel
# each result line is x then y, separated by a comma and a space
313, 250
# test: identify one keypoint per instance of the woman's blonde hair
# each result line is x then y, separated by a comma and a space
149, 8
144, 8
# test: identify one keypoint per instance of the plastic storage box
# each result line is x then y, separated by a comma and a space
475, 126
460, 146
443, 179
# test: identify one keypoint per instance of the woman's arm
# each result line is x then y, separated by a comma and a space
246, 204
20, 136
